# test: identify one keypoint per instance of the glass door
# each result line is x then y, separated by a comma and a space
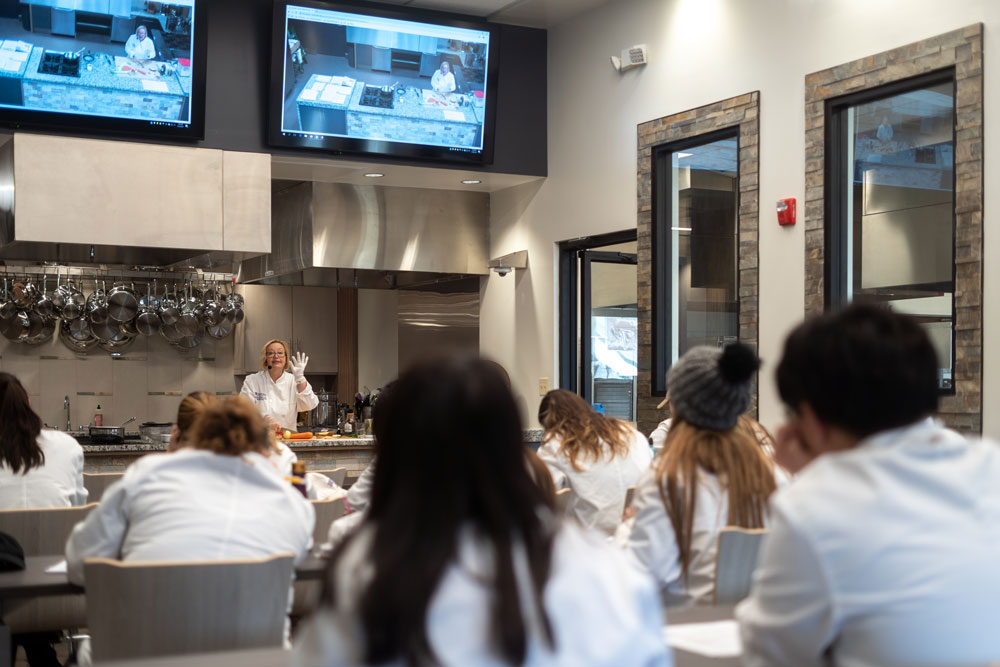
609, 331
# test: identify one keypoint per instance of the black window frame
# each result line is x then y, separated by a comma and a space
661, 279
570, 365
835, 250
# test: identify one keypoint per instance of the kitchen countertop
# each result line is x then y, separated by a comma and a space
102, 75
149, 447
410, 105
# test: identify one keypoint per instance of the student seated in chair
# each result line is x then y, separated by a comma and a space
884, 548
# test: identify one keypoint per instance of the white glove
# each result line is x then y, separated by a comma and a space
298, 365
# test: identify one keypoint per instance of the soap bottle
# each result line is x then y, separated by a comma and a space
98, 417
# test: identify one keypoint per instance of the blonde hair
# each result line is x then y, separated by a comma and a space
735, 459
581, 430
233, 427
263, 353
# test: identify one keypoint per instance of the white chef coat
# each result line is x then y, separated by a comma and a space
141, 50
280, 399
443, 83
56, 483
658, 438
885, 554
602, 612
360, 493
597, 499
282, 458
194, 505
652, 544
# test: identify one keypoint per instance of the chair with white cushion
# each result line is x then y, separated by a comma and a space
338, 475
735, 562
143, 609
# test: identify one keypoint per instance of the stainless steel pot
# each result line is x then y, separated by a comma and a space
7, 307
35, 324
24, 294
97, 306
109, 434
168, 311
45, 335
218, 330
188, 323
15, 328
79, 329
122, 303
74, 301
79, 345
46, 305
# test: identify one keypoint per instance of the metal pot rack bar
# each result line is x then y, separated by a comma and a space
114, 273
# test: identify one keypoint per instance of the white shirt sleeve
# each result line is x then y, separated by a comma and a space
548, 453
102, 533
81, 493
658, 438
652, 542
789, 618
305, 399
360, 493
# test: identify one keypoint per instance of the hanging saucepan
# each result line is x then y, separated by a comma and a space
74, 301
79, 329
48, 328
218, 330
24, 294
169, 313
234, 306
122, 303
170, 333
45, 306
78, 345
119, 340
7, 307
213, 312
129, 328
35, 323
97, 306
16, 328
106, 330
188, 323
148, 322
187, 342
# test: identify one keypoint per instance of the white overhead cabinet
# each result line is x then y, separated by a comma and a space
305, 317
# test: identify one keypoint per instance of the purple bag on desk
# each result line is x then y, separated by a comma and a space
11, 554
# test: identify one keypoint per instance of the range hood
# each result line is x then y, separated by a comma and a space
84, 201
375, 237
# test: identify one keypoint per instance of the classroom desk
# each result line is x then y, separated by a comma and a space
34, 581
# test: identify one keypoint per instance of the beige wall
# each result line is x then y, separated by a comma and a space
700, 51
147, 382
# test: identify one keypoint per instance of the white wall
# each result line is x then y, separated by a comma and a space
700, 51
378, 337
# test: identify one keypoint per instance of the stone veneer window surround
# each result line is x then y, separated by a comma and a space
961, 50
737, 112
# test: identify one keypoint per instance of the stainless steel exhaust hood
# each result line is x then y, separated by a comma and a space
338, 234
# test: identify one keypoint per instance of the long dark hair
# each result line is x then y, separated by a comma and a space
19, 427
448, 441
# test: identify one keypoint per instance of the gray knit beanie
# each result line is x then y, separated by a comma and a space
710, 387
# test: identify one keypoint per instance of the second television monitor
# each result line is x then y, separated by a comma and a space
367, 81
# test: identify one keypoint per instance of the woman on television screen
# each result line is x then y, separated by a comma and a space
140, 45
443, 80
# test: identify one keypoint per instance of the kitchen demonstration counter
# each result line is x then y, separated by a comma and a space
361, 442
107, 85
332, 105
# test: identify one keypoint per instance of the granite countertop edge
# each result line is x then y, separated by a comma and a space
530, 436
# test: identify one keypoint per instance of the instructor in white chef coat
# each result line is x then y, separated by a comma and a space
280, 390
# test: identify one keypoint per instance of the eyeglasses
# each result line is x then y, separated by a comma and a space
274, 354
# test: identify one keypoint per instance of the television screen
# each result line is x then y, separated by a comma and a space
128, 66
382, 81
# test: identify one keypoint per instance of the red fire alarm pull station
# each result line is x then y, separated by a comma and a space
786, 211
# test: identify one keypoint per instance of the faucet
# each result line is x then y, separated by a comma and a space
69, 426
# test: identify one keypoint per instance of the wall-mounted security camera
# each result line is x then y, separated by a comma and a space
634, 56
514, 260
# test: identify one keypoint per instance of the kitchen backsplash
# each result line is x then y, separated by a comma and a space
147, 381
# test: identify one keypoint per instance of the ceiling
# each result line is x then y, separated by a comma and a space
533, 13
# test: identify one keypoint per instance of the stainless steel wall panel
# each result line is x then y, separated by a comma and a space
246, 202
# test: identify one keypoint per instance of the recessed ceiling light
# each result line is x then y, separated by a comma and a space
374, 174
471, 181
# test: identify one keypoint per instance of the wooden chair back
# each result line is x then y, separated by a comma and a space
43, 532
97, 482
327, 511
562, 499
138, 609
338, 475
735, 562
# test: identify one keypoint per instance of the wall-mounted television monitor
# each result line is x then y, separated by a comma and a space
352, 78
121, 66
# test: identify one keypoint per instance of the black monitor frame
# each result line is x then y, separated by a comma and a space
27, 119
349, 146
